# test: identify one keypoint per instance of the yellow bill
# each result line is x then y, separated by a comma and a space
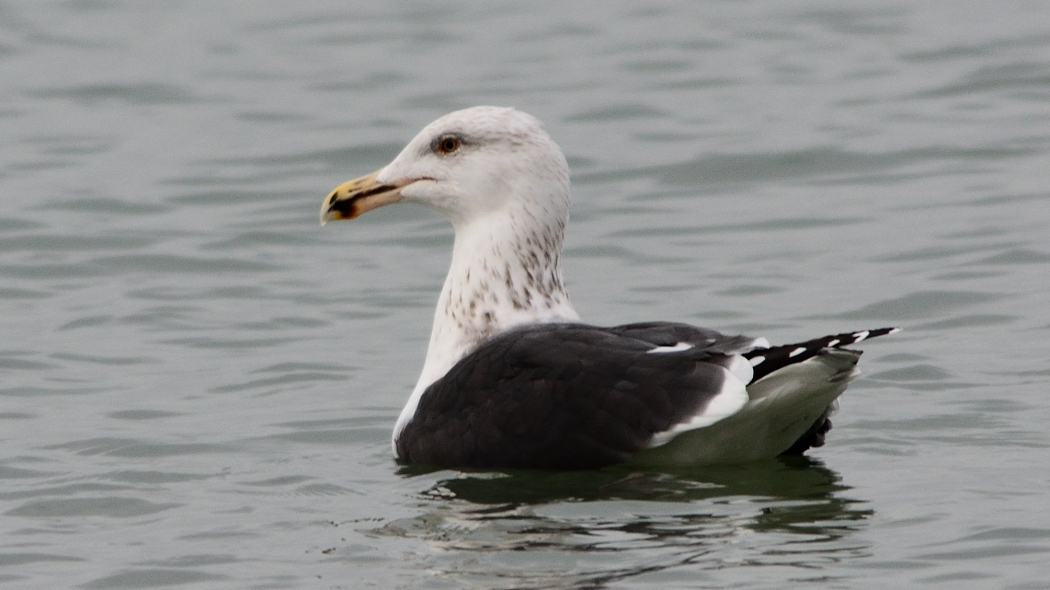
360, 195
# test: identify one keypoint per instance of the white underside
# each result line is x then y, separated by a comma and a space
782, 407
733, 398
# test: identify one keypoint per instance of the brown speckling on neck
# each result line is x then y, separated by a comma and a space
508, 199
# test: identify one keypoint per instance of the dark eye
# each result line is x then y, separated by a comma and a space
448, 144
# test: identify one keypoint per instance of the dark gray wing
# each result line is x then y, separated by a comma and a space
671, 333
565, 396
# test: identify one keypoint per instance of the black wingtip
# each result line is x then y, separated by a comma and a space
768, 360
867, 334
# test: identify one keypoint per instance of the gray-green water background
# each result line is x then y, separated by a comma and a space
197, 383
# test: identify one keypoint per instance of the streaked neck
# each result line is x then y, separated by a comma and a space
505, 272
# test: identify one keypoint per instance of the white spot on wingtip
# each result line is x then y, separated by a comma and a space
834, 342
796, 352
665, 349
740, 367
756, 360
860, 336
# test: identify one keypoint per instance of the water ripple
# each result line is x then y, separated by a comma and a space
198, 385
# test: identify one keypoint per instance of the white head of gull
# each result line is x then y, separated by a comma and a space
512, 378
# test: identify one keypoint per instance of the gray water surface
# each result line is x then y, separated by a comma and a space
197, 383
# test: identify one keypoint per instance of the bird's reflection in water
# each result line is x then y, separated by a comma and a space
588, 529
